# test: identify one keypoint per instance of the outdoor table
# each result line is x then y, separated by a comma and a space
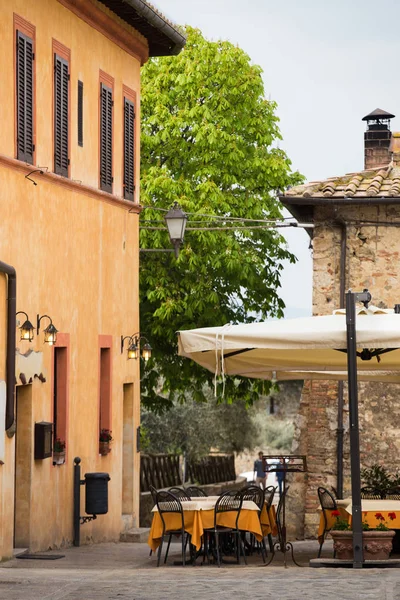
369, 509
198, 514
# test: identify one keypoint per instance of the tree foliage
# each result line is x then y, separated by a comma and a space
209, 142
195, 428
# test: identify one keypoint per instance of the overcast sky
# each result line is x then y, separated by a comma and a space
327, 64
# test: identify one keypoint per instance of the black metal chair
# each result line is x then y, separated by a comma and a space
153, 493
195, 492
328, 503
179, 493
269, 494
370, 493
167, 503
255, 494
228, 502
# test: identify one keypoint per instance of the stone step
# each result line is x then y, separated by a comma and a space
136, 535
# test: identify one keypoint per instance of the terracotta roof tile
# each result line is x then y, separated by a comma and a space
381, 181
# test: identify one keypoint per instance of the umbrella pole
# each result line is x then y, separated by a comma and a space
351, 299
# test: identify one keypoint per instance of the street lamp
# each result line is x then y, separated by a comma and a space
176, 224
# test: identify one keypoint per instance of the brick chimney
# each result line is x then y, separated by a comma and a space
395, 148
377, 139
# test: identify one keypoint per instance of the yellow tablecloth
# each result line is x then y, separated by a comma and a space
195, 521
268, 521
369, 509
330, 520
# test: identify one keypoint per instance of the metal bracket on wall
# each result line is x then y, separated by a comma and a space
87, 519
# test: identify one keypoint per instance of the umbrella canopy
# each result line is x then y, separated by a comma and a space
304, 348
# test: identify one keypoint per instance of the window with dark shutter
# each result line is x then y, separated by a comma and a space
61, 101
80, 113
24, 94
106, 108
129, 139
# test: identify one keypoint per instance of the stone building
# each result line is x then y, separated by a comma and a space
69, 252
356, 244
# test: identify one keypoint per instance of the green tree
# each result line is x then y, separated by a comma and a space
209, 141
194, 428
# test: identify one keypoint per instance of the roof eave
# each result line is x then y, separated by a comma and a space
323, 200
173, 40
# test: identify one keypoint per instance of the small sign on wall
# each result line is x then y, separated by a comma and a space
2, 420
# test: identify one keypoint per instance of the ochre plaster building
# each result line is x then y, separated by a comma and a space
356, 244
69, 205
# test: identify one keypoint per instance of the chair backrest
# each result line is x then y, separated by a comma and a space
195, 492
179, 493
370, 493
228, 502
269, 494
326, 499
153, 492
253, 493
168, 503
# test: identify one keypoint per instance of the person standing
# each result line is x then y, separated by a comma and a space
280, 474
259, 471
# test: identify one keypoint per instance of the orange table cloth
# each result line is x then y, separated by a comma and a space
195, 521
369, 509
268, 521
330, 520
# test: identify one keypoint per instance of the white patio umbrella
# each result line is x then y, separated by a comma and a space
338, 346
304, 348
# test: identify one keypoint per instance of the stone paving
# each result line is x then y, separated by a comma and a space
126, 572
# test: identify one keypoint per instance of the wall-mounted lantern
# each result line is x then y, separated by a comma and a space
26, 329
134, 346
50, 333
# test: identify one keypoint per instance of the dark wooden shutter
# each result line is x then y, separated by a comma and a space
61, 101
106, 108
80, 113
129, 139
25, 58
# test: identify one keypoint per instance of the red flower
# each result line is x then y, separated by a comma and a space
379, 516
335, 513
392, 516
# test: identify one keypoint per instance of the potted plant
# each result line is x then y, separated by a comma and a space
59, 452
377, 481
377, 541
105, 441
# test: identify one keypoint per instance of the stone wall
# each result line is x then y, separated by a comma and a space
373, 262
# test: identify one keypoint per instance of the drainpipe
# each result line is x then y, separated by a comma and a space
10, 350
340, 429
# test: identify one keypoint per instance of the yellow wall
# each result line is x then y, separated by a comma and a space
76, 257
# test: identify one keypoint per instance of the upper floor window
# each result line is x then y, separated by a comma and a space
106, 132
61, 109
25, 56
129, 147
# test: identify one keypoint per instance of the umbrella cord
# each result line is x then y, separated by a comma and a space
223, 330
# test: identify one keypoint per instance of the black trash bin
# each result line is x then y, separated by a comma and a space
96, 501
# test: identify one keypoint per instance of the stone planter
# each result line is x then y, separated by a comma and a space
377, 544
59, 458
104, 448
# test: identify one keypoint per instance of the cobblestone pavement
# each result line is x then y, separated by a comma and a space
126, 572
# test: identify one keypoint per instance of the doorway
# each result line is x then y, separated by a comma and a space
127, 455
23, 466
